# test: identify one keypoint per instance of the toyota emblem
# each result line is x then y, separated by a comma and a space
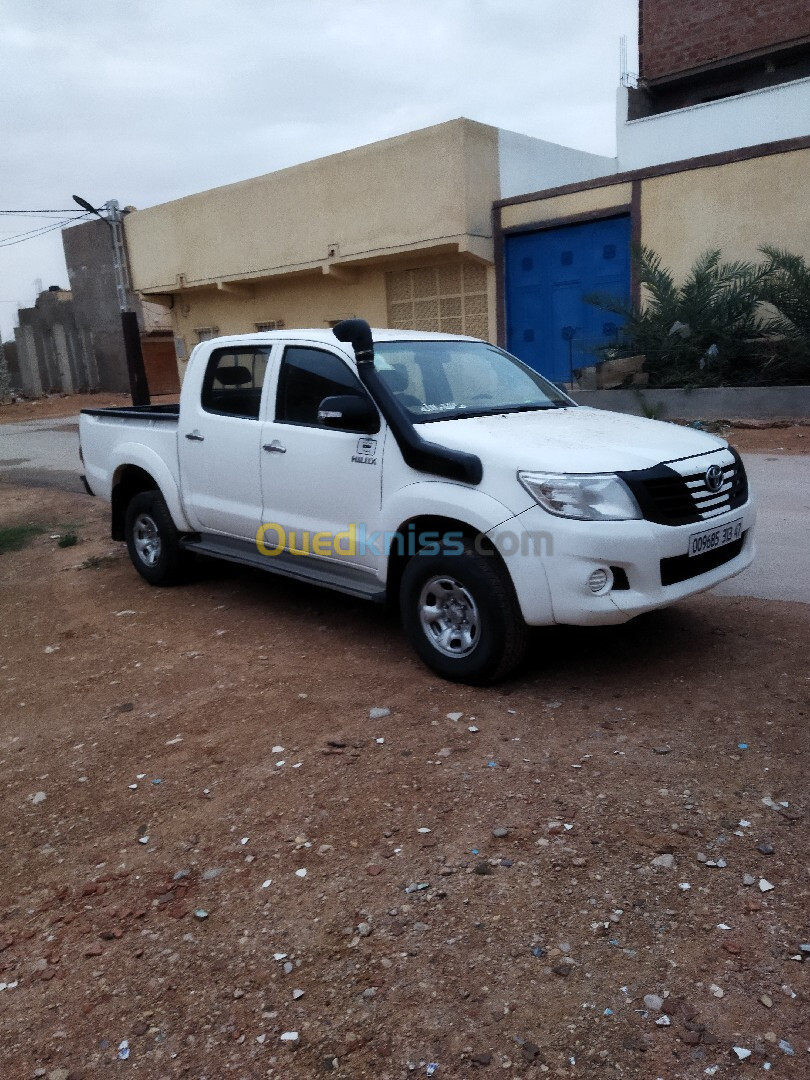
714, 478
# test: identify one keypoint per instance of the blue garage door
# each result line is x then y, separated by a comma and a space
548, 274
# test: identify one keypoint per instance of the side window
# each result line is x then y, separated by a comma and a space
233, 382
307, 376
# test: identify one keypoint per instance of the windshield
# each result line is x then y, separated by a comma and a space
441, 380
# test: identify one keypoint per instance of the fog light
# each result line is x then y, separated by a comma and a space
600, 581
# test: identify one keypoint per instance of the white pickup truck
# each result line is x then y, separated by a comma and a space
434, 471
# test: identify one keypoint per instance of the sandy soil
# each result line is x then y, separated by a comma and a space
172, 761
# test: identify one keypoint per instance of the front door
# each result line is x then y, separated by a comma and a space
322, 487
220, 443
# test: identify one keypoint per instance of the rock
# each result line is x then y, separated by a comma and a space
302, 873
289, 1036
373, 871
765, 849
666, 862
765, 885
214, 872
563, 970
59, 1074
766, 1000
481, 1060
749, 879
741, 1052
364, 929
653, 1002
500, 832
691, 1038
376, 714
483, 868
716, 990
37, 798
140, 1028
297, 994
663, 1021
93, 950
288, 967
661, 749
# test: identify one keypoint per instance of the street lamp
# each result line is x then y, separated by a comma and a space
138, 386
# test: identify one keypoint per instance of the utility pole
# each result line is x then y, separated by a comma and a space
138, 387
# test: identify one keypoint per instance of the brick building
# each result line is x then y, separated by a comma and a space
693, 51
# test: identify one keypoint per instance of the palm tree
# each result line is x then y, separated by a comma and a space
786, 286
696, 332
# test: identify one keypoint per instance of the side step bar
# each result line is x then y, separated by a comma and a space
346, 579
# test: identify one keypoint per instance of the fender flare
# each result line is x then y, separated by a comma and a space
143, 457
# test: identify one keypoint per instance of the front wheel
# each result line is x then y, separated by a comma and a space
461, 615
153, 541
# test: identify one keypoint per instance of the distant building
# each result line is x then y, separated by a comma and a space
398, 232
71, 340
713, 152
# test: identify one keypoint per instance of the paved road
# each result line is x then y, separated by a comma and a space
41, 453
781, 570
45, 453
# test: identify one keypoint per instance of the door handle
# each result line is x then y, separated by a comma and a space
195, 436
275, 447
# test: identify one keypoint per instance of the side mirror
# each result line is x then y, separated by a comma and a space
349, 412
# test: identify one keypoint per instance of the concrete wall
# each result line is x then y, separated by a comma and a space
676, 36
427, 188
543, 211
768, 115
88, 254
527, 164
49, 347
735, 207
713, 403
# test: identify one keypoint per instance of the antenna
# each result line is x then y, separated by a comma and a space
626, 78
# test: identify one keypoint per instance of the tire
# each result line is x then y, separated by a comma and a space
461, 615
153, 541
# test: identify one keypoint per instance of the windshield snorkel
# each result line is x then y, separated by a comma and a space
418, 452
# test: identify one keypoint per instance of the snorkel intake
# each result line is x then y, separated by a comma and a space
418, 452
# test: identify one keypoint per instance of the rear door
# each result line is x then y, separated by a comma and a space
220, 443
319, 480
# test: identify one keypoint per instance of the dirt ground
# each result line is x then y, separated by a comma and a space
208, 842
56, 406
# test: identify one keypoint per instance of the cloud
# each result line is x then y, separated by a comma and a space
146, 102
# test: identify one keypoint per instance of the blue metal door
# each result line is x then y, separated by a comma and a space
548, 274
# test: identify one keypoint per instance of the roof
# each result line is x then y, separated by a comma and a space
326, 337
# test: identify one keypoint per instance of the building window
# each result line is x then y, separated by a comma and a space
205, 333
272, 324
451, 298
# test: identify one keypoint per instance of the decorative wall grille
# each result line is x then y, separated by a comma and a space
450, 298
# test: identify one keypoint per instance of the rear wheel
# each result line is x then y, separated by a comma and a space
461, 615
153, 541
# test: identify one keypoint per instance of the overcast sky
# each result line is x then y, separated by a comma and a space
146, 101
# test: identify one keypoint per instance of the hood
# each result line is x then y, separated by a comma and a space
575, 440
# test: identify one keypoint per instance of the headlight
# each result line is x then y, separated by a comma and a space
588, 497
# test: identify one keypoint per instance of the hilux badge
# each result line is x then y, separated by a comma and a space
366, 451
714, 478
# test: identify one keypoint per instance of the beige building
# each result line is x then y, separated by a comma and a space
398, 232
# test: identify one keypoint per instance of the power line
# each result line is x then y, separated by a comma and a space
32, 234
19, 213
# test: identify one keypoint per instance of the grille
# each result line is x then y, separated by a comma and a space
681, 567
668, 498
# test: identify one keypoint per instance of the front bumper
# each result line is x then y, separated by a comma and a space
555, 558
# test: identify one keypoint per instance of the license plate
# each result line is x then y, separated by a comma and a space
710, 539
